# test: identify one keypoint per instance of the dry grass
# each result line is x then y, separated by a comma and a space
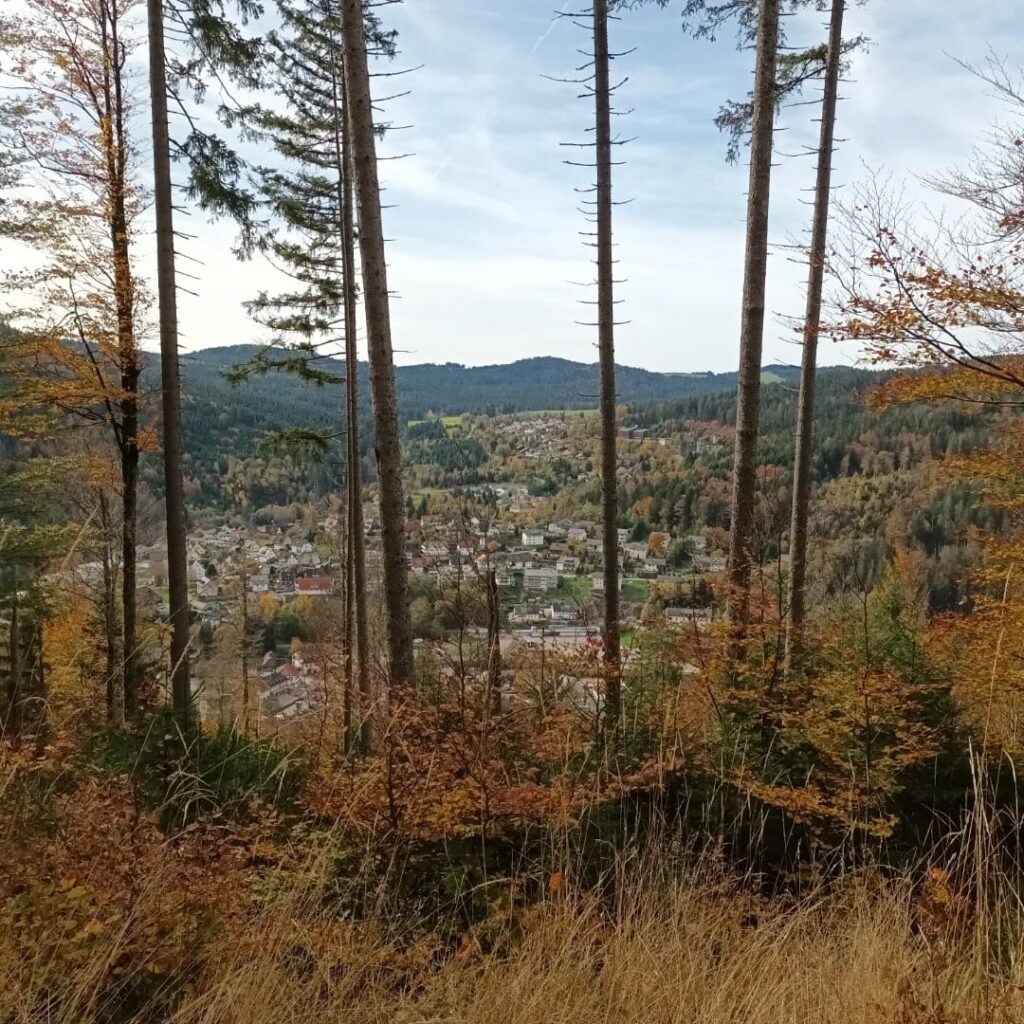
688, 950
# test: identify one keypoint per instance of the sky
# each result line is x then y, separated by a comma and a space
482, 216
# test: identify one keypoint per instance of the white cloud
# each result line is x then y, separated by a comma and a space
484, 220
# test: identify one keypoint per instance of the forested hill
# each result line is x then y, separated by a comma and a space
260, 405
224, 421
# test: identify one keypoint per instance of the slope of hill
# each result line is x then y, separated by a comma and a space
250, 410
224, 423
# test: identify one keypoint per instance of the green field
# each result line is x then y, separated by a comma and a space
450, 423
635, 591
573, 589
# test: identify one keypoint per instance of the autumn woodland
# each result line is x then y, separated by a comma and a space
338, 688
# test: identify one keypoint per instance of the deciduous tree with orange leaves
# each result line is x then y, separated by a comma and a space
945, 307
78, 301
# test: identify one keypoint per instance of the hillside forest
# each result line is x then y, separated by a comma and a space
333, 689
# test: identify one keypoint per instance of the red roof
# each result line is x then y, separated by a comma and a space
308, 583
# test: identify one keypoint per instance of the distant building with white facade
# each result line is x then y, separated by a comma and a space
540, 579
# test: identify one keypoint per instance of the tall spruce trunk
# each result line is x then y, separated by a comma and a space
493, 641
812, 328
357, 610
174, 490
349, 633
342, 170
755, 272
606, 348
387, 443
246, 696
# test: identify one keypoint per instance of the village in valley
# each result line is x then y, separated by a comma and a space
278, 584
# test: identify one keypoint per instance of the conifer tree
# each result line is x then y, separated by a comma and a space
598, 210
778, 75
376, 301
214, 45
310, 233
606, 347
812, 327
31, 536
173, 446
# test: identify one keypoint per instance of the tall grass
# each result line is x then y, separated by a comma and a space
676, 944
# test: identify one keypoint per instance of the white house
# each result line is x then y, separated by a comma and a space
436, 550
540, 579
259, 584
533, 538
561, 613
525, 613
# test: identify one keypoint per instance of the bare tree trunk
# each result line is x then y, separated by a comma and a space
357, 530
115, 683
378, 332
246, 698
14, 683
606, 348
129, 509
42, 725
343, 173
755, 271
812, 327
174, 491
493, 641
358, 627
350, 629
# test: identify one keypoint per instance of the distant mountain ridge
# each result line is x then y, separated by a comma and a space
539, 383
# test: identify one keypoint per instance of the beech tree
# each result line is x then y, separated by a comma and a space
88, 307
941, 302
376, 301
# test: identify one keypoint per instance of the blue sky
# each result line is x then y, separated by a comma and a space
482, 213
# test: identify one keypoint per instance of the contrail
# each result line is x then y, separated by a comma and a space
443, 166
551, 28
